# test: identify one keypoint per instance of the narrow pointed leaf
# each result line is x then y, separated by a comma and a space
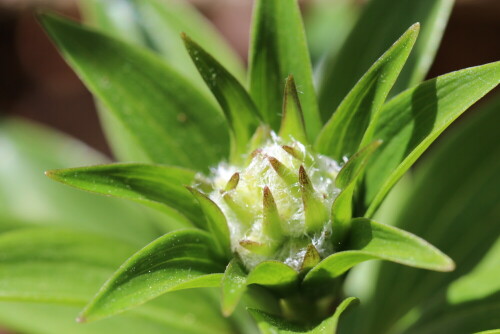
346, 131
342, 208
355, 166
370, 240
283, 171
270, 324
217, 223
369, 39
278, 49
178, 260
233, 286
292, 122
153, 185
465, 165
239, 109
410, 122
151, 100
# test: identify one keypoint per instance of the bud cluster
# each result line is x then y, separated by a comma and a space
278, 206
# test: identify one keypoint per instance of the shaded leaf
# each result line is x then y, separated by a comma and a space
51, 265
153, 185
270, 324
369, 240
151, 100
156, 25
369, 39
27, 150
410, 122
346, 180
239, 109
278, 49
178, 260
217, 223
233, 285
469, 317
346, 131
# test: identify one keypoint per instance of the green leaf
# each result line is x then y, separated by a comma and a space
217, 223
233, 286
156, 25
178, 260
467, 317
183, 312
278, 49
292, 121
481, 282
274, 275
455, 194
370, 240
151, 100
154, 185
369, 39
51, 265
346, 131
239, 109
270, 324
27, 150
346, 180
410, 122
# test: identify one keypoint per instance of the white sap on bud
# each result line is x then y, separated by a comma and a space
243, 206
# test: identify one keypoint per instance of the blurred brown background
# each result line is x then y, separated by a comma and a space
37, 84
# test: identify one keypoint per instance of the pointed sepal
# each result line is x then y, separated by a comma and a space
311, 258
292, 121
233, 182
216, 220
271, 224
315, 212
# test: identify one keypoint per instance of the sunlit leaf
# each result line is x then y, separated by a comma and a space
239, 109
178, 260
346, 130
370, 240
154, 185
410, 122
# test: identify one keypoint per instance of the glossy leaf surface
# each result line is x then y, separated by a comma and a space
150, 99
345, 132
178, 260
370, 240
274, 275
278, 49
410, 122
466, 167
153, 185
239, 109
233, 285
369, 39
